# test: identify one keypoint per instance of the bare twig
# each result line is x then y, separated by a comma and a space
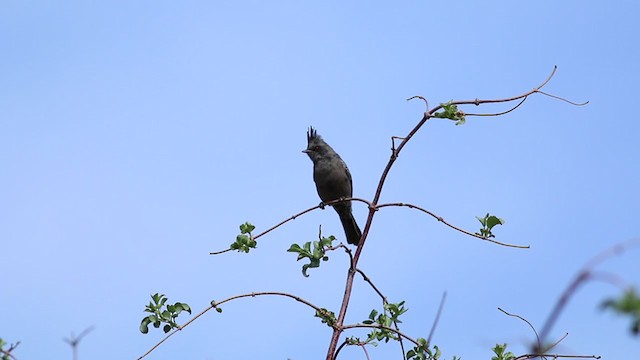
384, 302
74, 341
586, 273
528, 323
435, 321
563, 99
293, 217
9, 351
426, 103
554, 344
556, 356
440, 219
501, 113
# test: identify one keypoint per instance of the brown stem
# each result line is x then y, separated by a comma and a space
215, 304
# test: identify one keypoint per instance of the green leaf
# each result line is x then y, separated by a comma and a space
144, 326
246, 228
373, 314
628, 304
493, 221
295, 248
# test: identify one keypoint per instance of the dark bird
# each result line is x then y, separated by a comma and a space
333, 182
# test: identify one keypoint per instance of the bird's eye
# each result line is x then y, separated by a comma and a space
316, 148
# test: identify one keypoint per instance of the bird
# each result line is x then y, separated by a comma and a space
333, 182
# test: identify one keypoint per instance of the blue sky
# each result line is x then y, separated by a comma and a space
137, 135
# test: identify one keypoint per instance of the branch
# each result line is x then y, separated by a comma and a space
528, 323
586, 273
9, 350
435, 322
440, 219
378, 326
293, 217
395, 152
384, 302
555, 356
501, 113
214, 305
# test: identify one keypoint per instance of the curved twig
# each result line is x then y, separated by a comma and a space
435, 322
501, 113
426, 103
440, 219
556, 356
378, 326
528, 323
586, 273
214, 305
555, 343
293, 217
563, 99
384, 302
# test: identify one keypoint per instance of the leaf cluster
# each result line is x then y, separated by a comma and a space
628, 305
502, 353
488, 222
451, 112
387, 318
244, 241
327, 317
314, 255
162, 313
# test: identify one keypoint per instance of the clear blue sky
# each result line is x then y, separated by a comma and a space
135, 136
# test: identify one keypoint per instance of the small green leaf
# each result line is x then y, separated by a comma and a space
144, 326
295, 248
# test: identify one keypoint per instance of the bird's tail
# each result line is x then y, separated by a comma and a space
351, 229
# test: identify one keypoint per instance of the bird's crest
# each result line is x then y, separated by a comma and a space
312, 134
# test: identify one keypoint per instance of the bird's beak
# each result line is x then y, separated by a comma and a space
306, 151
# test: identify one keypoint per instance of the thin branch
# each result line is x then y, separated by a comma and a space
214, 305
373, 205
293, 217
528, 323
556, 356
346, 249
366, 278
74, 341
440, 219
384, 302
493, 101
378, 326
501, 113
555, 343
426, 103
586, 273
563, 99
9, 350
611, 279
344, 343
435, 322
